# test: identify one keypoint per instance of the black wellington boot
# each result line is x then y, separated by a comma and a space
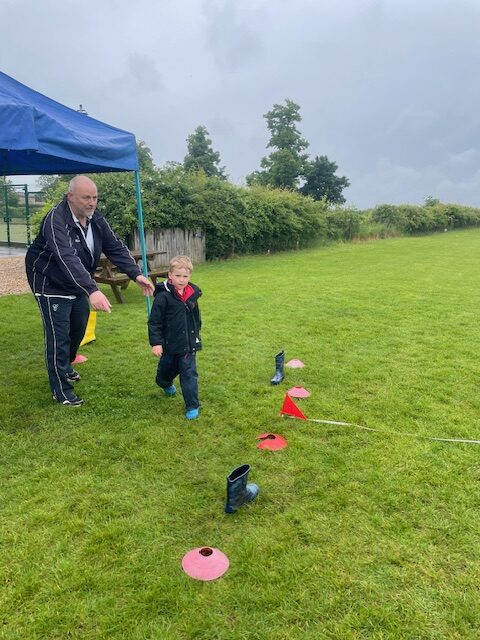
279, 362
238, 491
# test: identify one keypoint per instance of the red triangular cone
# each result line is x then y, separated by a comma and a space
289, 408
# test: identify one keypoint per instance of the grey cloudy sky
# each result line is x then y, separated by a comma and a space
388, 89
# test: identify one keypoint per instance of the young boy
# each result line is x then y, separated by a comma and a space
174, 333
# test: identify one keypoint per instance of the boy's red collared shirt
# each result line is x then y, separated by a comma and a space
185, 295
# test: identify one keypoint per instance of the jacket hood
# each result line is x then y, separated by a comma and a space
163, 287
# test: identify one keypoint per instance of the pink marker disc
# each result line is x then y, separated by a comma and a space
298, 392
271, 441
79, 359
295, 364
205, 563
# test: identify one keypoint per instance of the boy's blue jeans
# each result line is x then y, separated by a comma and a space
185, 365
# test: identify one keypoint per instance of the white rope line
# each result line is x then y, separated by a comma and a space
392, 433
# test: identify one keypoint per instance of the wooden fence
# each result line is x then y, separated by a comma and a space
174, 242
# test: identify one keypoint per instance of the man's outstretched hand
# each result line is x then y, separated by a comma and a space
145, 284
100, 302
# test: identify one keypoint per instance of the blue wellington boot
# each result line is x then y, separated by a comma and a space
238, 491
170, 391
279, 362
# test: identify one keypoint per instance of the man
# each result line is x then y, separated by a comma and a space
60, 265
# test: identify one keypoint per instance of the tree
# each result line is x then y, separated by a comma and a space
48, 183
144, 155
322, 183
8, 194
201, 156
285, 166
52, 183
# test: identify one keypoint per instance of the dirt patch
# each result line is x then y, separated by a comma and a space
12, 276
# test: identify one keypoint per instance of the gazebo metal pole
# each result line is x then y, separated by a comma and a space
141, 231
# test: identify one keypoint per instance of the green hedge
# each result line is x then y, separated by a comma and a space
433, 216
239, 220
236, 220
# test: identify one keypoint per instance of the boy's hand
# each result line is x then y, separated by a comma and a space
157, 350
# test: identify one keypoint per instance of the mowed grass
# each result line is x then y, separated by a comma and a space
16, 232
354, 535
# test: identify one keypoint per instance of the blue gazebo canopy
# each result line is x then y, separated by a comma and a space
41, 136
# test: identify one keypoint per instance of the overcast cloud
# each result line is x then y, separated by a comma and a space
388, 89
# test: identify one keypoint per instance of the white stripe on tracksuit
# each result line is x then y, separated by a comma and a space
51, 324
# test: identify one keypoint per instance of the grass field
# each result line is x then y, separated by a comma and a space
355, 534
18, 232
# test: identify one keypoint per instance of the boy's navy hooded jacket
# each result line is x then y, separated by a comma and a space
175, 324
59, 261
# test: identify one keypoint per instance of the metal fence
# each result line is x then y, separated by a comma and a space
17, 205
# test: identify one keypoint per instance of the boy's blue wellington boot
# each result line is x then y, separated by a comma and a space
170, 391
238, 491
279, 362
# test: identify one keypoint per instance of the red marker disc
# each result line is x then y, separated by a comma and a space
295, 364
79, 359
205, 563
298, 392
271, 441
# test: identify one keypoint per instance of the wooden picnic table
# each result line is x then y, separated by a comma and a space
108, 273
